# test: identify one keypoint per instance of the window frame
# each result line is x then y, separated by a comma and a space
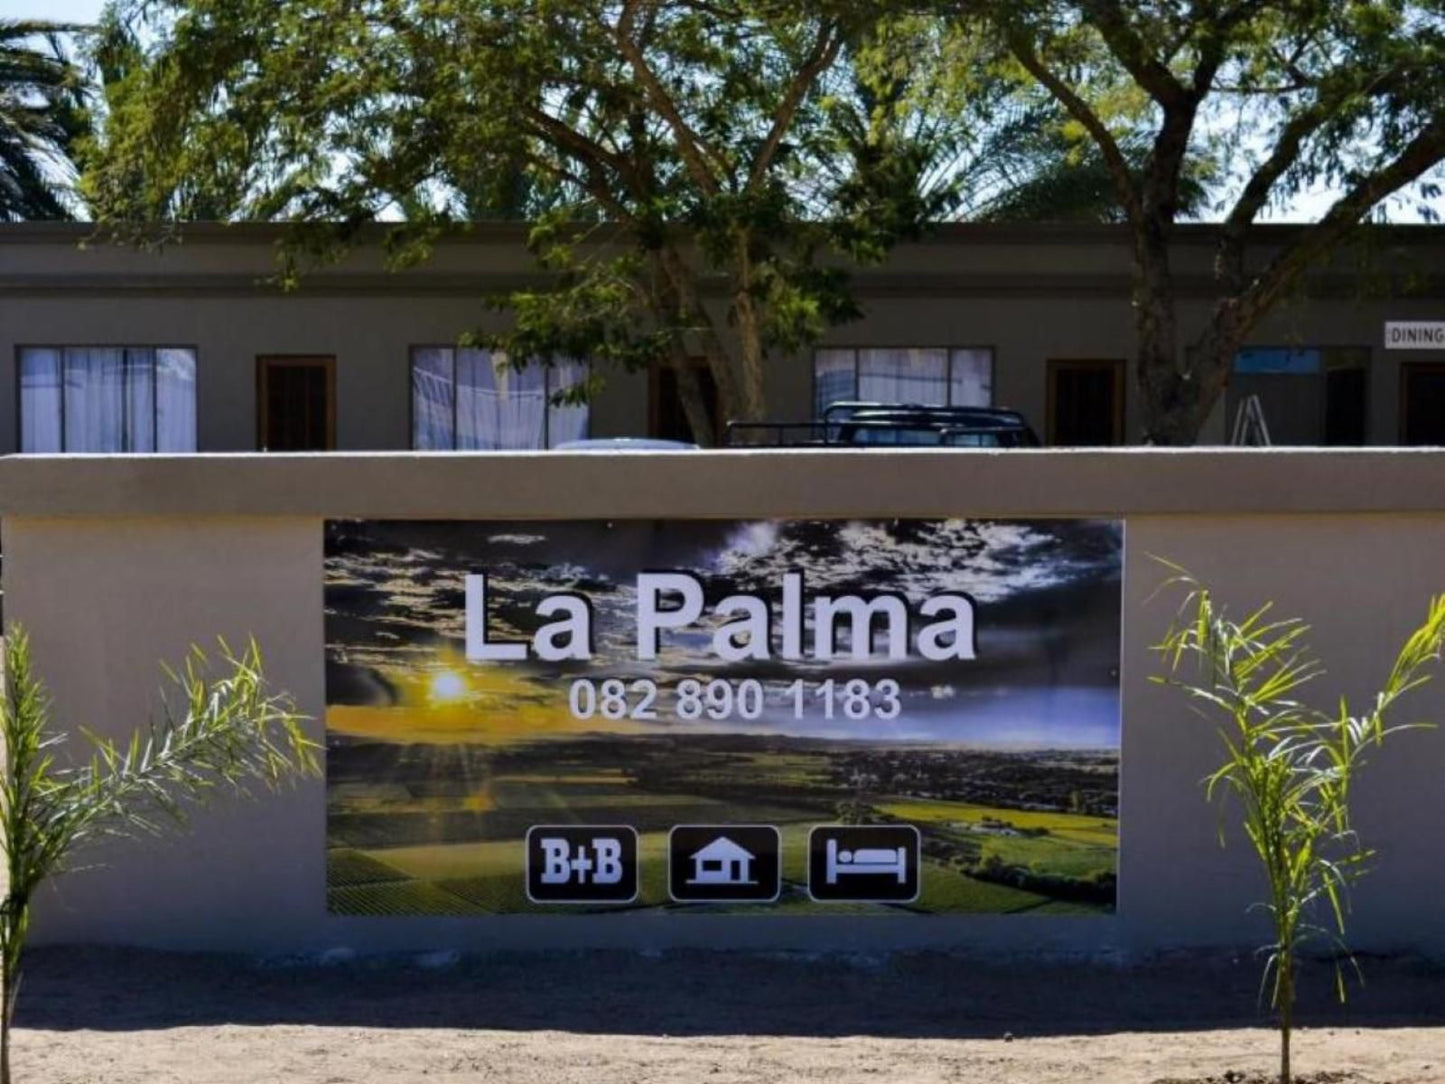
857, 348
21, 347
411, 352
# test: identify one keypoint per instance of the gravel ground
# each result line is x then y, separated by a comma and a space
123, 1017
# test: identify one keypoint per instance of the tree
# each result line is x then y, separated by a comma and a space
231, 733
1291, 767
1030, 169
688, 163
1283, 96
42, 115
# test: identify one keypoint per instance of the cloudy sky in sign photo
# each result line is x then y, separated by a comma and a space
1047, 595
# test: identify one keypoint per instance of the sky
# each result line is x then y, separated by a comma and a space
60, 11
1307, 206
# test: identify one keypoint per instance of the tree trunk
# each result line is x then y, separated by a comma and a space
7, 1012
690, 312
753, 356
694, 405
750, 332
1166, 390
1210, 359
668, 310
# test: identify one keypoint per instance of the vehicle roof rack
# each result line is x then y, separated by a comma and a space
842, 422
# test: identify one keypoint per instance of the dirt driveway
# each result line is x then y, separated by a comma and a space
609, 1018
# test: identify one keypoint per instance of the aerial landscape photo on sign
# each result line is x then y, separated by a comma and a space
945, 690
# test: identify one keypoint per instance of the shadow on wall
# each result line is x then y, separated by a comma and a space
922, 995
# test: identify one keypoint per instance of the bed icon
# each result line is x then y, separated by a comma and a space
866, 860
865, 863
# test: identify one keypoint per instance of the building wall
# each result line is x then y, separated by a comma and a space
1030, 295
114, 564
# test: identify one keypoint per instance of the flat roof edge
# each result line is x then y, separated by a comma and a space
509, 231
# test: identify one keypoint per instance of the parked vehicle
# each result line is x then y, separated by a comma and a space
860, 424
624, 444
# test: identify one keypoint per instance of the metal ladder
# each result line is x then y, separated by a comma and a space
1250, 428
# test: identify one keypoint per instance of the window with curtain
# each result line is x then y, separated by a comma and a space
107, 399
928, 376
467, 399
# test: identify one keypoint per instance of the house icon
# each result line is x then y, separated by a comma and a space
722, 862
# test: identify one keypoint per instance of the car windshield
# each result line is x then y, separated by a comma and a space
891, 435
973, 440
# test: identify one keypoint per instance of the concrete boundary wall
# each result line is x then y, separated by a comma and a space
115, 564
823, 482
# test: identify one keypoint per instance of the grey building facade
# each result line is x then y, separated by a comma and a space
195, 348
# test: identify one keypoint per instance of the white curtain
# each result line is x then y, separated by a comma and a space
903, 375
835, 378
470, 399
138, 411
499, 406
432, 397
175, 392
971, 378
95, 399
566, 421
930, 377
107, 399
40, 400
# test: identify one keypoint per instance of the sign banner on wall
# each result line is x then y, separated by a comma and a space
792, 716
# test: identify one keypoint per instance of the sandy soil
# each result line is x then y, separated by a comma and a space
126, 1017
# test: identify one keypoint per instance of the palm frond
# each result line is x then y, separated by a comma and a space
43, 118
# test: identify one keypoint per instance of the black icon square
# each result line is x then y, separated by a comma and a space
723, 863
864, 863
578, 863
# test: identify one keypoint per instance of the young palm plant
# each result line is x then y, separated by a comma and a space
225, 732
1290, 766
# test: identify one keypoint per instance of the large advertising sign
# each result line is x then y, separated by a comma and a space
785, 716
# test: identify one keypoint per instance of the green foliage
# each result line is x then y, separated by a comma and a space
728, 145
42, 116
1259, 102
225, 732
1032, 167
738, 148
1291, 767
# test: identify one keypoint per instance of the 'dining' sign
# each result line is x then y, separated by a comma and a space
1415, 335
915, 715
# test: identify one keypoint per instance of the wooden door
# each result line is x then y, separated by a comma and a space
296, 404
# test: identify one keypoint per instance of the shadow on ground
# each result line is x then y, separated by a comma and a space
917, 995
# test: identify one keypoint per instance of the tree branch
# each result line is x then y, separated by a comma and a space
1257, 190
694, 151
1421, 154
593, 186
1110, 19
1079, 109
824, 52
564, 135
